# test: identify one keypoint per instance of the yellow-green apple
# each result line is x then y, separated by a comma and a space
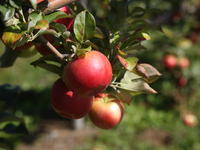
67, 104
88, 74
189, 119
29, 52
68, 22
183, 62
107, 111
24, 47
170, 61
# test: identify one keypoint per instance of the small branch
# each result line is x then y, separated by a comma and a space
48, 6
52, 49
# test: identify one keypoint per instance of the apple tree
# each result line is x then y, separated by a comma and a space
90, 55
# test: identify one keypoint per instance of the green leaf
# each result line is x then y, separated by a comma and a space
15, 3
98, 33
61, 29
138, 36
6, 10
83, 50
34, 3
42, 24
57, 15
9, 118
35, 16
2, 106
12, 34
5, 145
16, 130
84, 26
49, 67
129, 63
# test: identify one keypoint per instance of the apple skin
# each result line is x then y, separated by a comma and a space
170, 61
107, 111
29, 52
68, 22
67, 104
189, 120
88, 74
183, 62
24, 47
182, 81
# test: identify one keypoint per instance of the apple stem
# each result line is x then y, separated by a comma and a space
60, 56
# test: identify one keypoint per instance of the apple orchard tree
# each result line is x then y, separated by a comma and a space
65, 33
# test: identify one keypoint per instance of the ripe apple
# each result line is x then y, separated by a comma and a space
67, 104
189, 120
182, 81
107, 111
170, 61
68, 22
183, 62
88, 74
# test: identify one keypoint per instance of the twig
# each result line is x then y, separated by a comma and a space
52, 49
48, 6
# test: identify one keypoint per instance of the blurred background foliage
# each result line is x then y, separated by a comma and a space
151, 122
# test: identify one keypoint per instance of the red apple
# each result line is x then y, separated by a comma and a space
68, 22
107, 111
189, 120
67, 104
169, 61
39, 1
182, 81
183, 62
88, 74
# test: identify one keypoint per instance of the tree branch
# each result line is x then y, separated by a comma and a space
48, 6
52, 49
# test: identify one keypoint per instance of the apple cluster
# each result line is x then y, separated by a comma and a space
79, 91
171, 61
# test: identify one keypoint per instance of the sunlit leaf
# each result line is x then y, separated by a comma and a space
9, 118
16, 130
6, 10
10, 35
42, 24
34, 3
129, 63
